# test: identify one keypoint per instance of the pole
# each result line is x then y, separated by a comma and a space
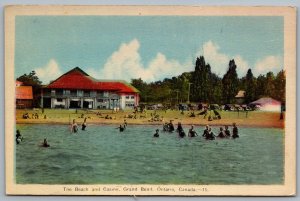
177, 95
188, 99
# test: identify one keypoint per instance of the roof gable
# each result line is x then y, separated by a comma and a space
78, 79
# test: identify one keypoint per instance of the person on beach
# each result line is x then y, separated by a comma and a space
227, 131
45, 143
74, 127
19, 137
221, 133
206, 131
121, 128
210, 135
180, 130
83, 126
192, 132
156, 134
235, 132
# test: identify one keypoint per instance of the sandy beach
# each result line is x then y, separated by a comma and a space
60, 116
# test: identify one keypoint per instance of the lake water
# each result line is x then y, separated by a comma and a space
103, 155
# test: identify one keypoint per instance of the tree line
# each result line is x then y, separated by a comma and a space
203, 85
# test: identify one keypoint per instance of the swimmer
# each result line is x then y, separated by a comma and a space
235, 132
83, 126
121, 128
156, 134
221, 133
210, 135
206, 131
19, 137
227, 132
180, 130
45, 143
74, 127
192, 132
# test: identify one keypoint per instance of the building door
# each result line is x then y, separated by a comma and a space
47, 102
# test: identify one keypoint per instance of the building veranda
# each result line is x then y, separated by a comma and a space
76, 89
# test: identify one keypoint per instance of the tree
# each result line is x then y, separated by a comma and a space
279, 84
230, 83
201, 87
30, 80
250, 86
269, 85
142, 87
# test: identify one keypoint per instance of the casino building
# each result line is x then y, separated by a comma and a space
76, 89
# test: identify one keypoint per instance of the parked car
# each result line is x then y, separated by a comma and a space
183, 106
228, 107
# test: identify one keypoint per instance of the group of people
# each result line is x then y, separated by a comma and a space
207, 133
74, 126
122, 127
19, 139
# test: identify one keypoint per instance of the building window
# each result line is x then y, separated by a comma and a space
67, 92
105, 94
59, 100
74, 93
132, 97
86, 93
127, 97
80, 93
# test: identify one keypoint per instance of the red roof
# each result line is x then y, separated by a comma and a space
266, 101
24, 92
78, 79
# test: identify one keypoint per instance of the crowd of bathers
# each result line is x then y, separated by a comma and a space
167, 127
207, 133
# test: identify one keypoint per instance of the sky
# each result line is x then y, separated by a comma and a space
147, 47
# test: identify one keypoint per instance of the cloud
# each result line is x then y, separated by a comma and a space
48, 72
267, 64
125, 63
219, 61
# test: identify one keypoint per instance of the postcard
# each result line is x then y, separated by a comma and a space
150, 100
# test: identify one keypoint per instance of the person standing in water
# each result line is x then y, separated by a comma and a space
192, 132
19, 137
74, 127
45, 143
221, 133
227, 131
235, 131
171, 126
83, 126
210, 135
121, 128
206, 131
180, 130
156, 134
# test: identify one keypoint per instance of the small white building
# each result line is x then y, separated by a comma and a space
267, 104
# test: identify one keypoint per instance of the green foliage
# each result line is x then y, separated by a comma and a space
30, 80
209, 88
250, 86
230, 83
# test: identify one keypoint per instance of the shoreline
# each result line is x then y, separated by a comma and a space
214, 124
